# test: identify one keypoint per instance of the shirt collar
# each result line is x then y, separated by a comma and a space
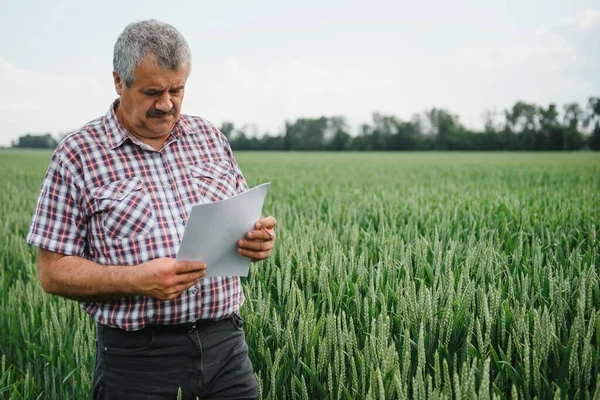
117, 134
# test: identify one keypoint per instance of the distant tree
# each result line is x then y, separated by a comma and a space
340, 141
522, 126
572, 120
337, 137
44, 141
227, 128
274, 143
363, 141
384, 127
406, 136
444, 126
288, 139
335, 124
592, 119
550, 135
306, 134
492, 121
492, 137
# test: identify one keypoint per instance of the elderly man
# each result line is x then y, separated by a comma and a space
109, 218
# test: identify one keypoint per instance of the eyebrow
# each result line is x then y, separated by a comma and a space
157, 89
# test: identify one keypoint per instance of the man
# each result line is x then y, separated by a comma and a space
109, 219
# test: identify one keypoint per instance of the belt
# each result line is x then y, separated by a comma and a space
185, 327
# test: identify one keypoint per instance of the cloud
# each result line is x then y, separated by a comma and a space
554, 64
583, 21
36, 102
553, 47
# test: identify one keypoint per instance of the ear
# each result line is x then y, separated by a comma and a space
119, 83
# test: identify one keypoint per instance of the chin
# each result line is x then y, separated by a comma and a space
162, 127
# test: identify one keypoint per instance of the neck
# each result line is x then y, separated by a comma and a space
155, 143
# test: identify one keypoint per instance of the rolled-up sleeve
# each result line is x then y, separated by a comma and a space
58, 223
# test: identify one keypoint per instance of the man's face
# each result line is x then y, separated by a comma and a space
150, 107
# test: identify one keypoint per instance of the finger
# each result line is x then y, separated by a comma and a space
184, 287
255, 245
254, 255
176, 291
271, 233
266, 222
261, 234
184, 267
171, 296
189, 278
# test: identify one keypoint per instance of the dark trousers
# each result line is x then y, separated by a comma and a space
208, 360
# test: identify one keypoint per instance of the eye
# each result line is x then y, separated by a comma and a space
174, 91
150, 93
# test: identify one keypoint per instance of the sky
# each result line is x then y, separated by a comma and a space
261, 63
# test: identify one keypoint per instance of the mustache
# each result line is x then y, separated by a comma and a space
155, 113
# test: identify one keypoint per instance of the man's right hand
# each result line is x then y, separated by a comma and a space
165, 278
80, 279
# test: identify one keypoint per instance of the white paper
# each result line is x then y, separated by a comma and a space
213, 229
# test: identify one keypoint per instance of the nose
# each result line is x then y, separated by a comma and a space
164, 103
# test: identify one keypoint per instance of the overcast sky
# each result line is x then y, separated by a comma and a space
262, 62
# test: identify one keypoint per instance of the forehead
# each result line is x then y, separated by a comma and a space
148, 74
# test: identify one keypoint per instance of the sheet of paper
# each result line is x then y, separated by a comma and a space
213, 229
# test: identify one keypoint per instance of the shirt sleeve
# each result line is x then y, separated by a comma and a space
58, 223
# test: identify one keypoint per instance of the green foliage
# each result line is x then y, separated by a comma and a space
395, 276
524, 126
45, 141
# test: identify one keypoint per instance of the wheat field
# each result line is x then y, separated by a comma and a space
411, 275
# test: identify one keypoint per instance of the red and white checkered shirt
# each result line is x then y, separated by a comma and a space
112, 199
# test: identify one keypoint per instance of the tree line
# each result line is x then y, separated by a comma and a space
33, 141
525, 126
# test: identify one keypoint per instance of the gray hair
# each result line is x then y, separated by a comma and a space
149, 37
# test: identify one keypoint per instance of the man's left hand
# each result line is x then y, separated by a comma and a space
259, 243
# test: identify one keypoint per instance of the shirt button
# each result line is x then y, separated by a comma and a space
156, 155
180, 220
194, 290
168, 186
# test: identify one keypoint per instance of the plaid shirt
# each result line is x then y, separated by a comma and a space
112, 199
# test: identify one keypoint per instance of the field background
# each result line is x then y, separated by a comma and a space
404, 275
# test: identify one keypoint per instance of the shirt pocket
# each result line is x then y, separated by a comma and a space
213, 181
124, 208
